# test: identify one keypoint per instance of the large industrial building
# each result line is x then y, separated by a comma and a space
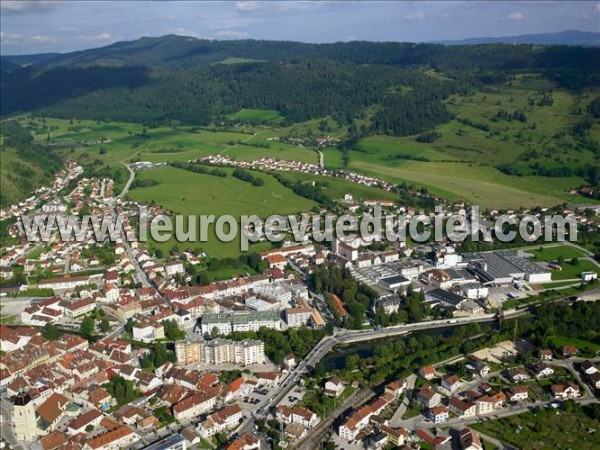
505, 267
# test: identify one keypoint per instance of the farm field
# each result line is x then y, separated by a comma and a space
188, 193
483, 186
545, 429
165, 144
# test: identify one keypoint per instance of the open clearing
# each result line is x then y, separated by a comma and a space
483, 185
552, 253
189, 193
256, 115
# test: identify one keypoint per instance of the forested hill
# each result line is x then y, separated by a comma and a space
175, 52
158, 80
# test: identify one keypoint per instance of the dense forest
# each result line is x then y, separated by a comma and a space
172, 78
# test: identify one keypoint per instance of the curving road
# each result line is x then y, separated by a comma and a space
326, 344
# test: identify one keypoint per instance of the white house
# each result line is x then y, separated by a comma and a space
438, 414
565, 391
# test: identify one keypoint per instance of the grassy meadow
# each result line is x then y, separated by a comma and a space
188, 193
461, 162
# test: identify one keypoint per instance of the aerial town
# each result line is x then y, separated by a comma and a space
299, 225
112, 347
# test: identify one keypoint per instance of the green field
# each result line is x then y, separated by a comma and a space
234, 60
256, 115
481, 185
574, 271
461, 163
552, 253
14, 185
545, 429
582, 345
165, 144
189, 193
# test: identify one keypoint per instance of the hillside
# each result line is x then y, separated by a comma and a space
567, 37
500, 125
24, 164
174, 78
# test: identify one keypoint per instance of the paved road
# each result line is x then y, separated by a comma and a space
410, 385
326, 344
129, 181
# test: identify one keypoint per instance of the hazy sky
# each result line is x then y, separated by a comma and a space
49, 26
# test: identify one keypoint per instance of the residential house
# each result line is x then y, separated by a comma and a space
295, 431
396, 388
588, 368
484, 404
427, 396
297, 414
121, 437
594, 380
542, 370
462, 408
470, 440
451, 382
91, 417
566, 390
518, 375
438, 414
193, 406
498, 399
427, 372
334, 387
245, 442
478, 368
147, 330
52, 411
225, 419
396, 436
518, 393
